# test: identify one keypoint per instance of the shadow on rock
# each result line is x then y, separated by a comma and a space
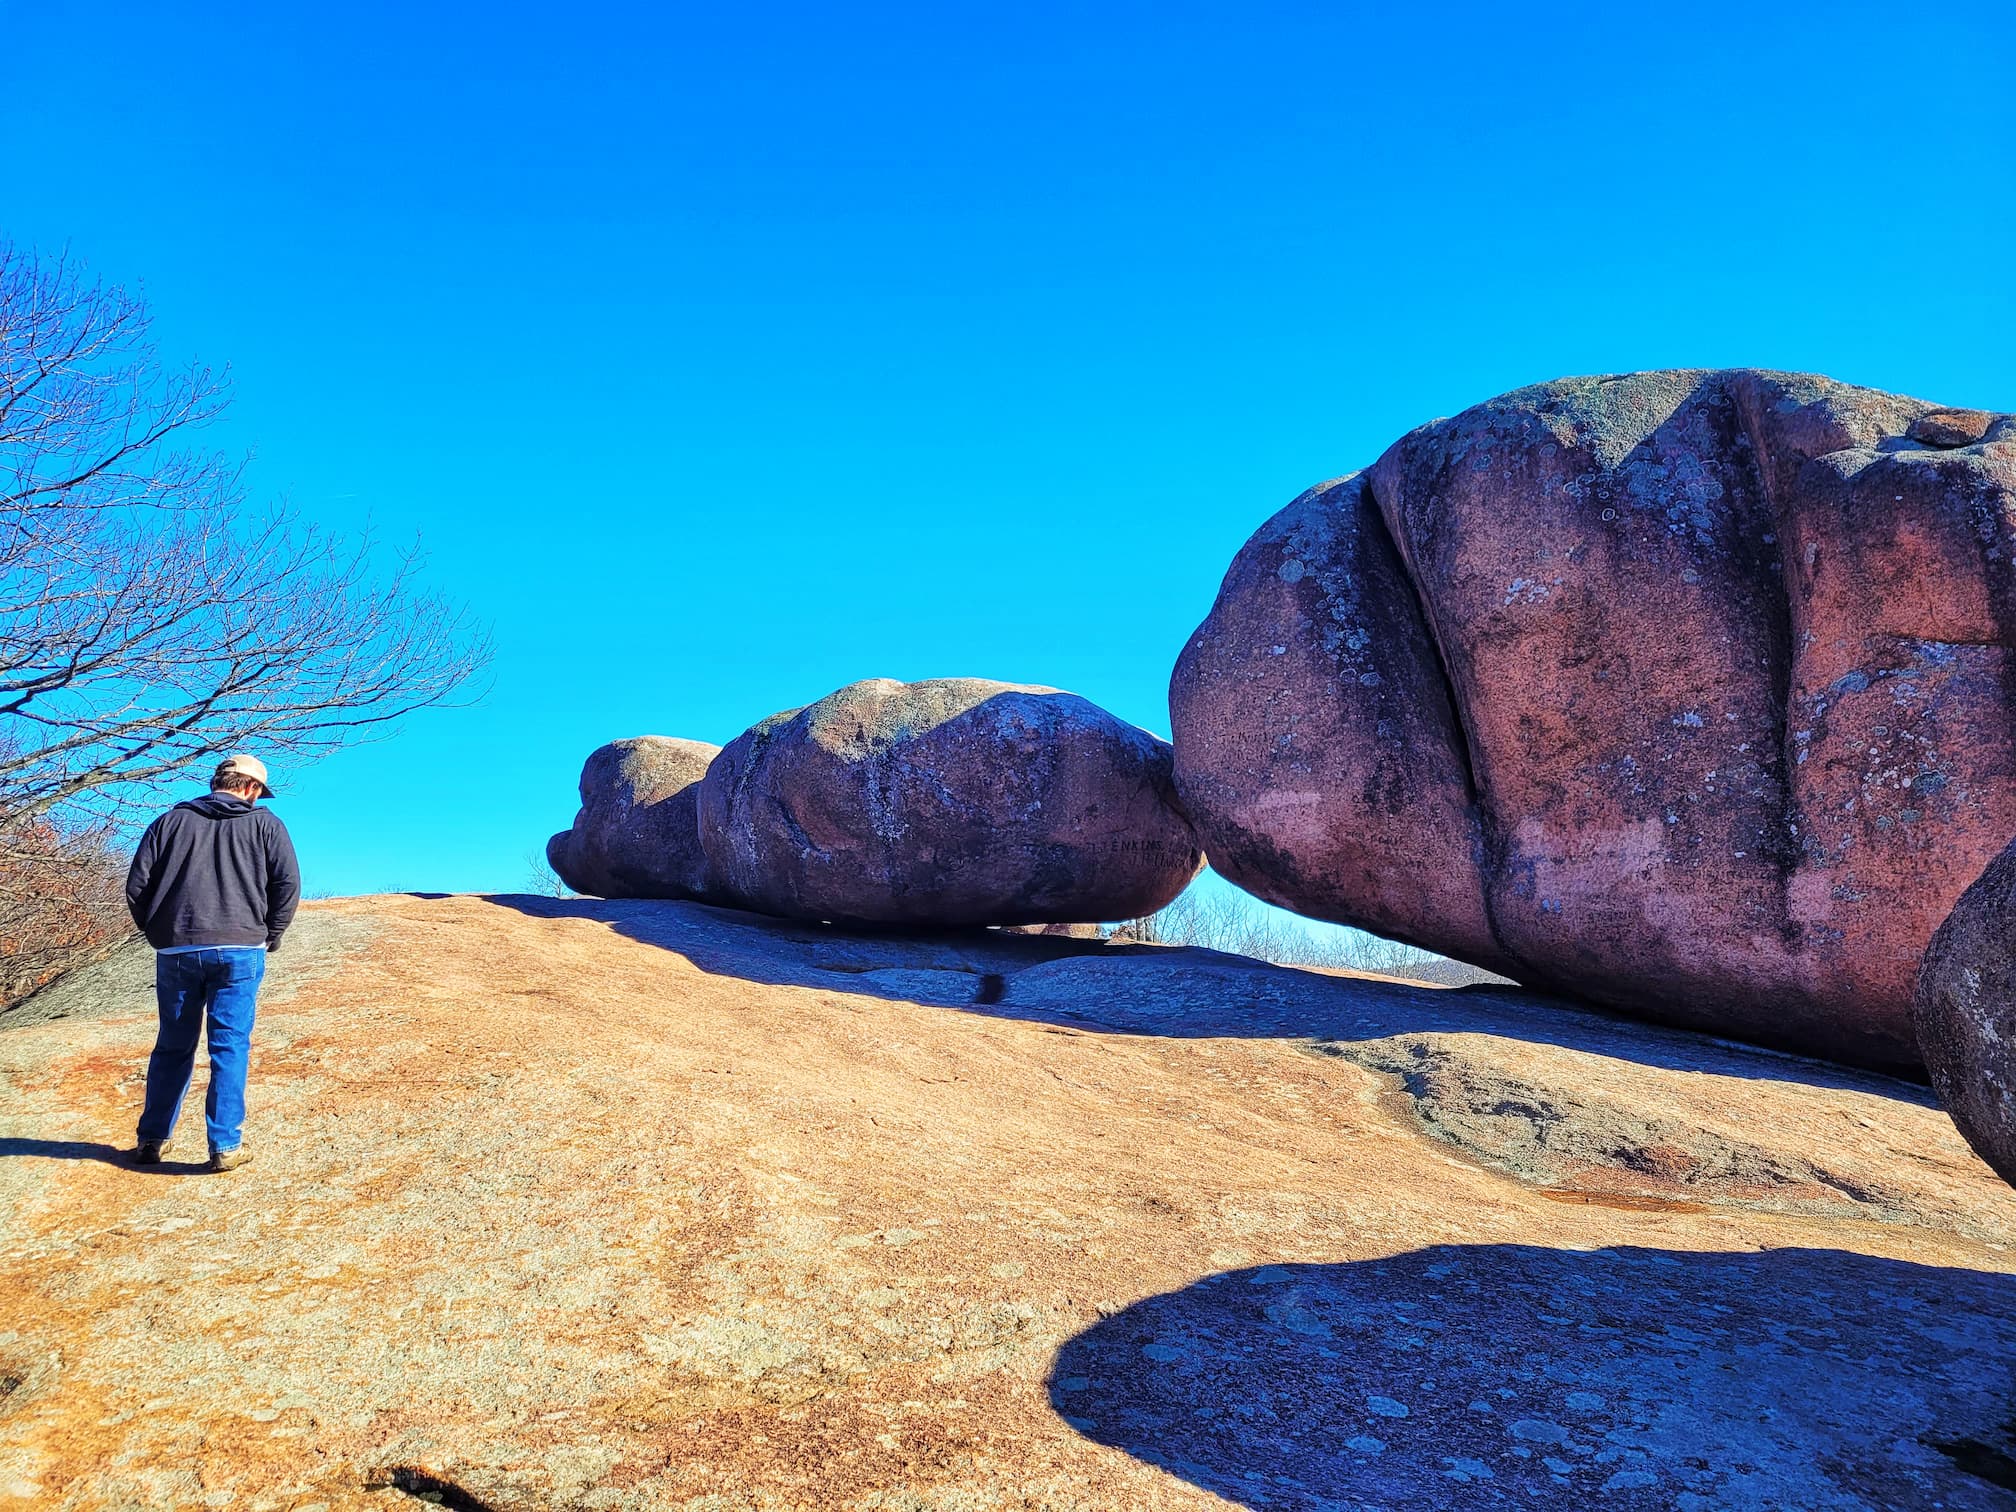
102, 1154
1178, 991
1632, 1378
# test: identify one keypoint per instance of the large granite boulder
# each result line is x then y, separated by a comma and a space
637, 834
947, 803
1965, 1010
1687, 692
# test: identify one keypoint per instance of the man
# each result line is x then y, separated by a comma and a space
213, 886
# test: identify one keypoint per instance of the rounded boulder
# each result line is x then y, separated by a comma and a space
947, 803
637, 833
1684, 692
1965, 1012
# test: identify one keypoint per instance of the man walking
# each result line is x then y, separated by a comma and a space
213, 886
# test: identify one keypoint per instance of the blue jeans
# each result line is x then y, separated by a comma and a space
191, 986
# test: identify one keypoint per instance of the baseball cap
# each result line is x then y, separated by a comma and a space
245, 766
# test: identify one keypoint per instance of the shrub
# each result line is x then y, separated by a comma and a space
62, 903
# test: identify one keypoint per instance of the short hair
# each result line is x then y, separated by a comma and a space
228, 779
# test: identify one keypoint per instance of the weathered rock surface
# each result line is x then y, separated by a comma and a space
1316, 740
1965, 1011
571, 1205
637, 834
950, 802
1686, 692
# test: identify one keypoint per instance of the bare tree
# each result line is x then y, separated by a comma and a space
541, 880
61, 903
149, 618
1242, 925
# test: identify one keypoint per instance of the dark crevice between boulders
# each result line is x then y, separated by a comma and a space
425, 1486
1783, 844
1489, 840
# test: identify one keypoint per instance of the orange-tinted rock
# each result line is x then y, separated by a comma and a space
571, 1204
1965, 1011
1952, 427
1725, 657
637, 834
947, 803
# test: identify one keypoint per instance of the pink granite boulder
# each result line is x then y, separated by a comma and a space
947, 803
1965, 1012
637, 833
1686, 692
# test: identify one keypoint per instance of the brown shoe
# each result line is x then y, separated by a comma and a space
149, 1151
229, 1160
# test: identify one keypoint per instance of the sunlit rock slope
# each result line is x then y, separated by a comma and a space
582, 1205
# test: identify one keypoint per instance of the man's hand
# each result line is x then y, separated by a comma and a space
272, 944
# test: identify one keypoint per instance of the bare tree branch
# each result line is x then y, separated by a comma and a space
150, 619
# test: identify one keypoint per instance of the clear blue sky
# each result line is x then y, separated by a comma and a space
722, 355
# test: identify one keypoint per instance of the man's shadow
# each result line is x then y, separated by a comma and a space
1465, 1376
104, 1154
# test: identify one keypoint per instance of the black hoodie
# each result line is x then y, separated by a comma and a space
214, 871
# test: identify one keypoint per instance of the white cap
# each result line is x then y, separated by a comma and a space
242, 765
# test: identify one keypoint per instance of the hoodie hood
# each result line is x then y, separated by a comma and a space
220, 806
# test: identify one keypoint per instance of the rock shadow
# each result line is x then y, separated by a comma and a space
1641, 1379
1178, 991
